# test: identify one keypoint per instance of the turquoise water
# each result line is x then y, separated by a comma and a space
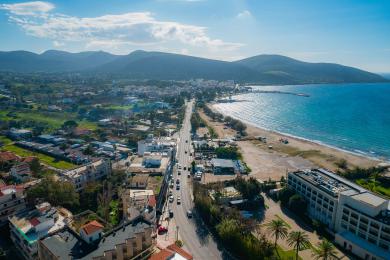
353, 117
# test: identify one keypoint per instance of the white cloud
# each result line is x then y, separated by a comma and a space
28, 8
110, 31
244, 14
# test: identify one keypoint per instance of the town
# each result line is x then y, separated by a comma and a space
132, 170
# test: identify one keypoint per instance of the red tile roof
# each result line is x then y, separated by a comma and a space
162, 255
92, 227
168, 252
152, 201
8, 156
34, 222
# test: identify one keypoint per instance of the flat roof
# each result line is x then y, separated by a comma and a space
370, 199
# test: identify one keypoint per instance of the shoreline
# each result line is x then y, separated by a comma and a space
312, 152
298, 138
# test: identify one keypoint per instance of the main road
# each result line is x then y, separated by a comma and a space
195, 236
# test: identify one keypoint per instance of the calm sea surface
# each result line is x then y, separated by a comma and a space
353, 117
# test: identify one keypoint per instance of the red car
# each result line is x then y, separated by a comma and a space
162, 230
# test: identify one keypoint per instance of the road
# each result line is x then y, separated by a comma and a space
195, 236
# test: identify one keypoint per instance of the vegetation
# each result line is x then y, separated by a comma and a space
228, 153
278, 229
325, 250
299, 240
56, 192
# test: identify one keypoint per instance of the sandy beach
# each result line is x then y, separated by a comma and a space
273, 163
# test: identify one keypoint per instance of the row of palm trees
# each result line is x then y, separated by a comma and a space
299, 240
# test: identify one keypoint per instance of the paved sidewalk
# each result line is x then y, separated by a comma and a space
168, 238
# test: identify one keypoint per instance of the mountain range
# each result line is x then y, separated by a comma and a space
261, 69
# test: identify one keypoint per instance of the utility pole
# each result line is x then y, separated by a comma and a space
177, 233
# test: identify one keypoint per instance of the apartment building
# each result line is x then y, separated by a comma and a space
90, 172
28, 227
127, 241
12, 201
359, 219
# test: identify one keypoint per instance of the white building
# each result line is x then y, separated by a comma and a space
12, 201
156, 145
28, 227
139, 202
90, 172
21, 172
359, 219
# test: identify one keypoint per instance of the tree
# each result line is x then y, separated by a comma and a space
69, 125
297, 204
299, 241
250, 189
278, 229
325, 250
35, 166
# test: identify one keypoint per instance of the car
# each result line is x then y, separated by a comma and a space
189, 213
178, 172
186, 141
179, 166
178, 200
171, 213
185, 168
177, 187
188, 175
162, 230
185, 152
171, 199
170, 192
177, 181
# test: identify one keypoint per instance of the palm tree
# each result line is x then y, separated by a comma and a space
299, 241
278, 229
325, 250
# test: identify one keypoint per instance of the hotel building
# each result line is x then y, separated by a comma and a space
359, 219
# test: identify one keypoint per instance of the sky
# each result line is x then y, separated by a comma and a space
350, 32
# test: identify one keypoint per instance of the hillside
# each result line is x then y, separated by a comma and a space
261, 69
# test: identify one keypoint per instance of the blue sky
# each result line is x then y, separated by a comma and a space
355, 33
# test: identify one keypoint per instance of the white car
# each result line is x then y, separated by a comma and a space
178, 200
171, 199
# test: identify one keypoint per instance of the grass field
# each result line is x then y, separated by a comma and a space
287, 254
53, 119
42, 157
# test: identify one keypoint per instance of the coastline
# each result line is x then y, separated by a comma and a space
298, 153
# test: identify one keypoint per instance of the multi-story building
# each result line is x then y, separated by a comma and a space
26, 228
90, 172
359, 218
127, 241
12, 201
156, 145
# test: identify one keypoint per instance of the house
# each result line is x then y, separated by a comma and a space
92, 231
226, 195
156, 145
21, 172
172, 252
18, 134
227, 166
359, 219
8, 157
27, 228
124, 242
12, 201
85, 174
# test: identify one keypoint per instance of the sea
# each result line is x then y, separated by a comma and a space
351, 117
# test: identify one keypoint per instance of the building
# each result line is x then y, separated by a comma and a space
85, 174
17, 134
156, 145
21, 172
27, 228
12, 201
227, 166
139, 202
172, 252
154, 164
138, 182
226, 195
127, 241
359, 219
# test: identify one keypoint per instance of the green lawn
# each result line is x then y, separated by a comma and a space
42, 157
119, 107
5, 140
375, 186
286, 255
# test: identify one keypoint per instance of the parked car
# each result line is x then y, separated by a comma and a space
162, 230
178, 200
170, 213
189, 213
178, 187
178, 172
171, 199
177, 181
188, 175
